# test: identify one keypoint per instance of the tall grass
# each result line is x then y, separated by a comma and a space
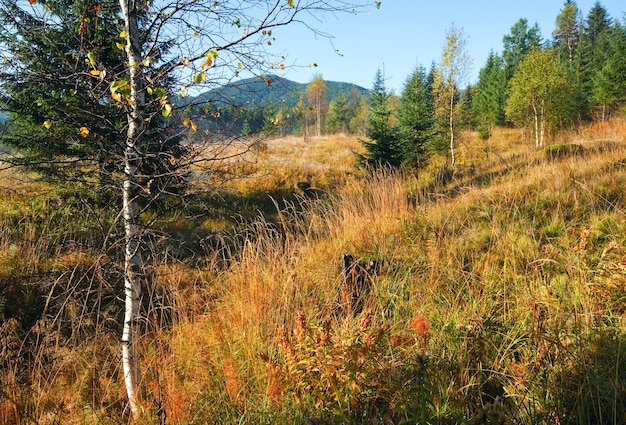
499, 300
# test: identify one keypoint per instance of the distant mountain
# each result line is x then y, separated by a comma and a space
244, 106
268, 90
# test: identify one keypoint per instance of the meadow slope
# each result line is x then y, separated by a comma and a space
494, 295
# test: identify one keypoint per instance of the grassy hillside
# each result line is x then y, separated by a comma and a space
497, 295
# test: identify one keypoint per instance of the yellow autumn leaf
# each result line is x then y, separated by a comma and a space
199, 78
91, 58
148, 185
124, 35
291, 3
194, 127
116, 96
119, 45
84, 132
94, 72
186, 122
167, 110
47, 125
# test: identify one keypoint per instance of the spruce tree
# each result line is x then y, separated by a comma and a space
64, 123
593, 51
489, 101
338, 117
610, 83
54, 93
383, 145
415, 118
518, 44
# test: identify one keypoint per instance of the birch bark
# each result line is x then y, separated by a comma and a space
130, 191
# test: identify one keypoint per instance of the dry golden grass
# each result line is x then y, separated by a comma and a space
282, 163
511, 277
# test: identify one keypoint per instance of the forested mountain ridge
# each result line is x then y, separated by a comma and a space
267, 90
261, 103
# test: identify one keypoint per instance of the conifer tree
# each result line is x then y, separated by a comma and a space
518, 44
610, 83
383, 140
593, 52
56, 104
64, 125
415, 118
567, 32
338, 117
489, 100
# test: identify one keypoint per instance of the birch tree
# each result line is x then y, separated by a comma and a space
215, 42
541, 94
169, 48
316, 94
450, 74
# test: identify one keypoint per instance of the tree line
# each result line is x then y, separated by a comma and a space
542, 85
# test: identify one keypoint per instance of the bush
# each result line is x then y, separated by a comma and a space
554, 152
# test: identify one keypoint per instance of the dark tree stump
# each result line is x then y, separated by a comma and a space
356, 283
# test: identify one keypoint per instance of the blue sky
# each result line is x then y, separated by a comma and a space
404, 34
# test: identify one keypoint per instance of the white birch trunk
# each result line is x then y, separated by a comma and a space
132, 158
536, 116
318, 118
451, 123
542, 129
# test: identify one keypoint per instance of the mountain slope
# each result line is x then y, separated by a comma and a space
268, 90
249, 105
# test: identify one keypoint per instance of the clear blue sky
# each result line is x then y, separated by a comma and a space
403, 34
